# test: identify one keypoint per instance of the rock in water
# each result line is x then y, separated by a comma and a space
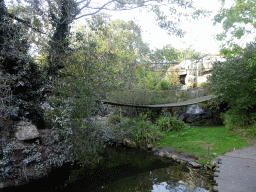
26, 131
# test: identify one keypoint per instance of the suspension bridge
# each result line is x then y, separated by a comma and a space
178, 104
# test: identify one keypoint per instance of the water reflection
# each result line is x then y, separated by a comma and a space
172, 178
123, 170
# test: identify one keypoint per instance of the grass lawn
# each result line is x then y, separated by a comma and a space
195, 141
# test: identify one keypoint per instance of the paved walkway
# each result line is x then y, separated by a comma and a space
236, 171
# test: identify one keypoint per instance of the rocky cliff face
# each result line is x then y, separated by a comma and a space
28, 153
188, 69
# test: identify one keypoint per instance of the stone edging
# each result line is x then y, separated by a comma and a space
192, 162
177, 157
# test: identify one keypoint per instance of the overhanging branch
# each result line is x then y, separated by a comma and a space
24, 22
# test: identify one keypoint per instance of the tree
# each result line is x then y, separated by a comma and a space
19, 73
167, 54
189, 53
64, 12
233, 82
237, 21
124, 42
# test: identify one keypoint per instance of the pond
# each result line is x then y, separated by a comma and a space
126, 169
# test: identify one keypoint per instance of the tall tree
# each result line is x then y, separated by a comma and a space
166, 54
19, 72
237, 21
64, 12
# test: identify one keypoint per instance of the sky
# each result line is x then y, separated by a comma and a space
200, 33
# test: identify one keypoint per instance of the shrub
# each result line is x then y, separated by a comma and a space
239, 119
145, 132
150, 114
114, 119
170, 123
138, 130
233, 81
163, 85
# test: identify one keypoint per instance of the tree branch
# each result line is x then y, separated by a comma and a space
104, 7
24, 22
99, 9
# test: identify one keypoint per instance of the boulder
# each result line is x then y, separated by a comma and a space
213, 162
26, 131
188, 68
175, 157
150, 146
198, 118
182, 117
126, 141
194, 164
208, 114
161, 154
190, 119
131, 144
23, 162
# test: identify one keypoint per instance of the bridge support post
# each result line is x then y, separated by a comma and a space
120, 112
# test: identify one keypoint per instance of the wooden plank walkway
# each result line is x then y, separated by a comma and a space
236, 171
182, 103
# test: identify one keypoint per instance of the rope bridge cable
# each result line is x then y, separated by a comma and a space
182, 103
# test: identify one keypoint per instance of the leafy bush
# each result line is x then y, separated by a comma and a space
141, 131
170, 123
145, 132
114, 119
19, 75
149, 114
238, 119
233, 81
163, 85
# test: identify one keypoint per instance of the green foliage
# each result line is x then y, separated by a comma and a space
114, 119
168, 124
147, 80
237, 21
239, 119
189, 53
163, 85
229, 51
145, 133
141, 131
167, 54
233, 81
149, 114
20, 75
195, 141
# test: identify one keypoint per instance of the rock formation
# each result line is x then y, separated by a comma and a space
187, 70
28, 153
